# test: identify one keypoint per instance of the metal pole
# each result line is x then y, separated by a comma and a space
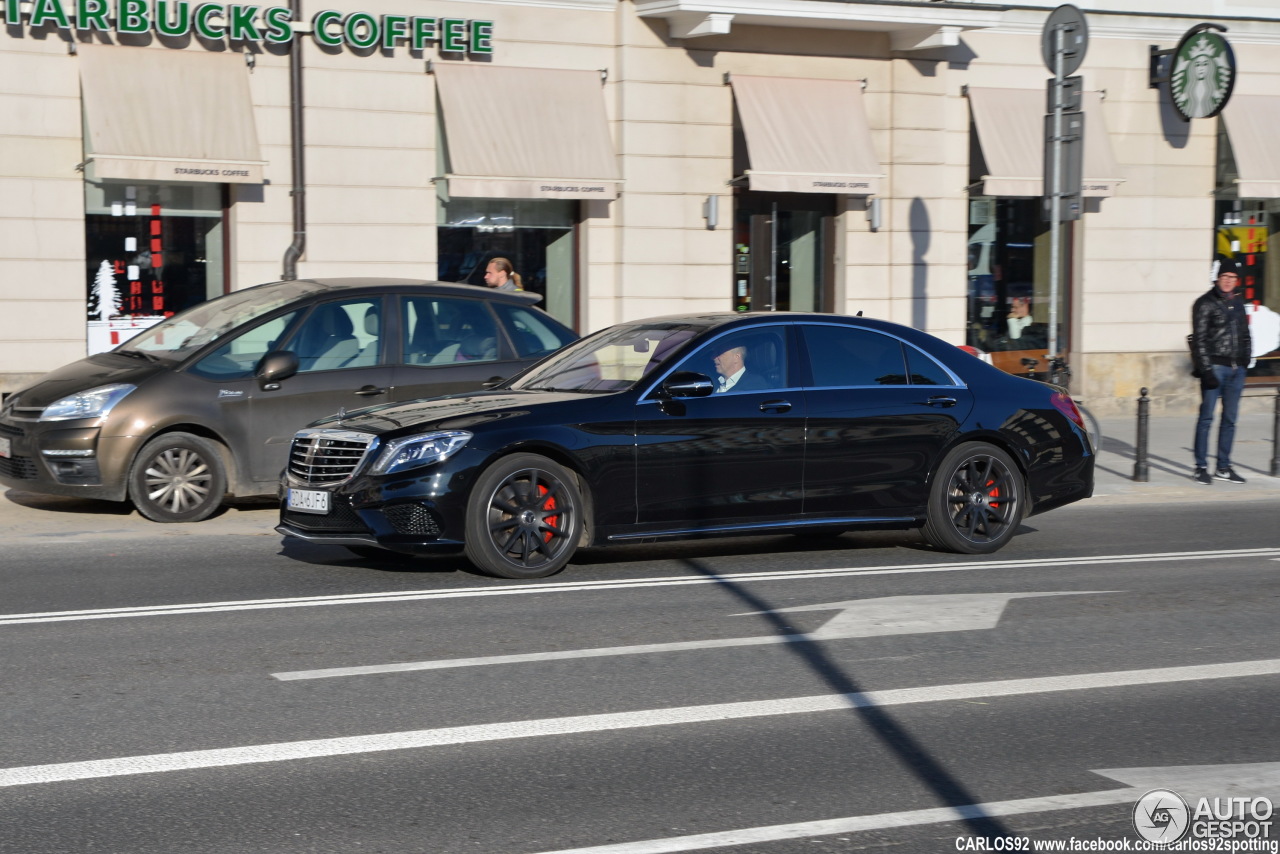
1275, 439
1055, 228
773, 259
297, 142
1142, 471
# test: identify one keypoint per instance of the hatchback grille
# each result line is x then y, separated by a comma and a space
21, 468
324, 457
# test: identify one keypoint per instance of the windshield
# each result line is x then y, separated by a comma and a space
184, 333
611, 360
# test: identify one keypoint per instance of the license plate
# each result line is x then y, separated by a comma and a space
4, 448
308, 501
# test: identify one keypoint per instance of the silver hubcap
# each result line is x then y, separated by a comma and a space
178, 480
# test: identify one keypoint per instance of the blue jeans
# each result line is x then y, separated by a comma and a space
1230, 387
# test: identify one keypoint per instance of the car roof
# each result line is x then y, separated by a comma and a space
386, 283
728, 320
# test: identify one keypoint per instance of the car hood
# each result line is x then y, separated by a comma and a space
97, 370
453, 412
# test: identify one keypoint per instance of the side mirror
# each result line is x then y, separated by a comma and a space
276, 366
688, 384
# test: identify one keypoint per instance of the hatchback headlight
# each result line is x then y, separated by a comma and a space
415, 451
94, 403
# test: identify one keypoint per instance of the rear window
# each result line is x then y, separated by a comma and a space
533, 333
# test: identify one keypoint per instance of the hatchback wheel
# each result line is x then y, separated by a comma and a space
977, 500
177, 478
524, 518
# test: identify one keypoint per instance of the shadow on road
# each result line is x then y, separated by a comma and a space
911, 754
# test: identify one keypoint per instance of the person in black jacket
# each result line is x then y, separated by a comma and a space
1220, 348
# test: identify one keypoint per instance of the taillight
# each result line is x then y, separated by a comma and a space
1063, 403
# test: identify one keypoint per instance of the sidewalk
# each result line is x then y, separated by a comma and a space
1170, 461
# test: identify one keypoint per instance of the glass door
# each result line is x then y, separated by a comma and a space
782, 251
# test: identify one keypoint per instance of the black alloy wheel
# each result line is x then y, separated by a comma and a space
977, 500
177, 477
524, 518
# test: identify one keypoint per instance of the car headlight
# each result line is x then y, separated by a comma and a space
415, 451
94, 403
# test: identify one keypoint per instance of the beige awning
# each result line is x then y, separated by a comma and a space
807, 136
526, 133
1253, 125
1011, 130
156, 114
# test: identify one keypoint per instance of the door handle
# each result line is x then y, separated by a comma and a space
943, 402
370, 390
776, 406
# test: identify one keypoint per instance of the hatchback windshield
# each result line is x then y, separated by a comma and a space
612, 360
184, 333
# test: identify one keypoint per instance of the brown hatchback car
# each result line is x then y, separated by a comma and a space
203, 405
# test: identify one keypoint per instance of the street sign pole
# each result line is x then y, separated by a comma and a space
1055, 202
1062, 59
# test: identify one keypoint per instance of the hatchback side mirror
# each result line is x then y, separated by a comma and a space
276, 366
688, 384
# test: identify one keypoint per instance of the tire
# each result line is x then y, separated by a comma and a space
177, 477
976, 502
524, 518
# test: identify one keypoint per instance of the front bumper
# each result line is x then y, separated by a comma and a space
420, 512
64, 458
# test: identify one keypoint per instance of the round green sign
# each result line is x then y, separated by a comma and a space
1203, 74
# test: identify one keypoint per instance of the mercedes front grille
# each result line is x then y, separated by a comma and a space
321, 457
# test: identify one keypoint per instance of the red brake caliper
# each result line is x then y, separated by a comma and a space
550, 504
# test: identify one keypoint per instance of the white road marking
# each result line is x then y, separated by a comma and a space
857, 618
414, 739
1248, 780
856, 824
618, 584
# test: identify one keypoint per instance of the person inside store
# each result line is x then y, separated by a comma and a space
500, 274
1220, 351
1020, 330
731, 365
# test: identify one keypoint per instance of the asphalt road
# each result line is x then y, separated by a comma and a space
212, 689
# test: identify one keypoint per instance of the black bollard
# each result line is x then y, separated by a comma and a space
1275, 439
1142, 471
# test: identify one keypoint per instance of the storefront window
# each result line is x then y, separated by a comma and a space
151, 250
1243, 231
537, 236
1009, 282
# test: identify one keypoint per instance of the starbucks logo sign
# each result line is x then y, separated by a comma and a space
1203, 74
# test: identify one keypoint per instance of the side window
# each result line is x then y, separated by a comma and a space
751, 360
444, 330
237, 358
925, 371
841, 356
339, 335
533, 333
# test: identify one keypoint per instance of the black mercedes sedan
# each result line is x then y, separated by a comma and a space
690, 426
